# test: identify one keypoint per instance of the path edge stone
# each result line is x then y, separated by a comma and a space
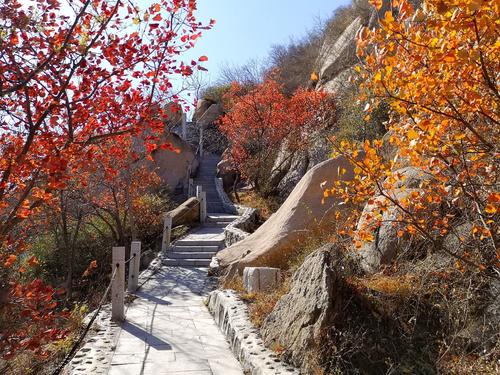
231, 315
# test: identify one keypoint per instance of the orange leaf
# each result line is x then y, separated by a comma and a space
376, 3
33, 261
203, 58
10, 260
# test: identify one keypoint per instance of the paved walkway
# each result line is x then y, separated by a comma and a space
169, 331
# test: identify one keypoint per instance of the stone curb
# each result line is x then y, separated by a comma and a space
94, 357
229, 206
240, 228
231, 315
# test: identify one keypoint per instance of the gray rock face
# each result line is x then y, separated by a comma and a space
481, 332
336, 56
228, 173
387, 244
300, 317
201, 108
206, 116
297, 168
210, 115
172, 167
339, 83
411, 178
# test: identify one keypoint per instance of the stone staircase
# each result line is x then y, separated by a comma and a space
206, 178
202, 243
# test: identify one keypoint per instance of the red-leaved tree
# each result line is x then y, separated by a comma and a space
74, 75
262, 118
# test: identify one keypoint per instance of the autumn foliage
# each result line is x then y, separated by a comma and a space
437, 67
78, 80
262, 119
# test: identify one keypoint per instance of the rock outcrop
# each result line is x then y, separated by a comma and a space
206, 115
172, 166
336, 56
201, 108
228, 174
315, 298
303, 210
386, 243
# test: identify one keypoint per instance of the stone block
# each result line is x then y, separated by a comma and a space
257, 279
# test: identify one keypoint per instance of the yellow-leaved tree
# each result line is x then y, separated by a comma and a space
438, 67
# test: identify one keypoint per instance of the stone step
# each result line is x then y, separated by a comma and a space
188, 242
212, 195
211, 209
223, 218
207, 183
195, 249
186, 262
191, 255
215, 224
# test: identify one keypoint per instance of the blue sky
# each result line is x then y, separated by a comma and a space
246, 29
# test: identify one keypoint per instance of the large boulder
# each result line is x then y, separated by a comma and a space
210, 115
298, 168
228, 173
201, 108
339, 83
302, 211
205, 117
172, 167
384, 223
315, 297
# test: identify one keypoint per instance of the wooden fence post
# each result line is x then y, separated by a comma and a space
133, 270
167, 231
118, 287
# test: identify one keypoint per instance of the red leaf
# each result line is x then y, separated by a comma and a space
203, 58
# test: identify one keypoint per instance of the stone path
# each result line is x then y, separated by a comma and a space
169, 330
201, 244
206, 178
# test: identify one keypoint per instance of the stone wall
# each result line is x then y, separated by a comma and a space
242, 227
231, 315
229, 206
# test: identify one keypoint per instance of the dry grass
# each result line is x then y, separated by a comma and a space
401, 285
265, 206
259, 304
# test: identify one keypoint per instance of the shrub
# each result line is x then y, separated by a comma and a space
261, 119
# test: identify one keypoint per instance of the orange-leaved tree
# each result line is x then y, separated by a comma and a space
72, 76
261, 118
438, 68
